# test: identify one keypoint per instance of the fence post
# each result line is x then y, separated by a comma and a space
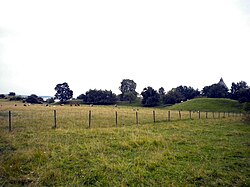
179, 114
219, 115
136, 116
54, 119
190, 114
213, 114
206, 115
154, 116
116, 118
168, 115
199, 112
10, 122
89, 118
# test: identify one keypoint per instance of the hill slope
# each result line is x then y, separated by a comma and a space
209, 104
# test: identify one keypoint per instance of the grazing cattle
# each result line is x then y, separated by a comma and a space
91, 105
15, 104
62, 104
24, 105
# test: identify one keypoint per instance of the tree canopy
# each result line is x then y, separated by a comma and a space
150, 97
34, 99
240, 91
128, 90
100, 97
215, 91
63, 92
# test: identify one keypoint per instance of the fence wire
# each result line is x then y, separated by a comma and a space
42, 120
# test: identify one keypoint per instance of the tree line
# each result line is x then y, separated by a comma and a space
148, 97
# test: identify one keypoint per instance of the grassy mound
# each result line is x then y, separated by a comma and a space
209, 104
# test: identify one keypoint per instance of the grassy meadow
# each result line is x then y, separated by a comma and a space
209, 104
187, 152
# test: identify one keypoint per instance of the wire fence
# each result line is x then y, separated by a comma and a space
46, 119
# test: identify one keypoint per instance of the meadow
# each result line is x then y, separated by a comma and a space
186, 152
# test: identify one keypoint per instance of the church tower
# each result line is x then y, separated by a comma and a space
222, 83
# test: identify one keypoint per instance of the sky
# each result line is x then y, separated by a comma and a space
96, 44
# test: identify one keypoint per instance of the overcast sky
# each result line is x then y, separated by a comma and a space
96, 44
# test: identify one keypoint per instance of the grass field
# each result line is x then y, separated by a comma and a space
197, 152
209, 104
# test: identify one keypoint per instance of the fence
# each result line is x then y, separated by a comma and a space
47, 119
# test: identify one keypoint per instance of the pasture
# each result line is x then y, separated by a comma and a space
200, 151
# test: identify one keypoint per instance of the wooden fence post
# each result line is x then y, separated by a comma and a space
168, 115
10, 122
190, 114
199, 114
154, 116
219, 115
89, 118
54, 119
179, 114
206, 115
213, 114
136, 118
116, 118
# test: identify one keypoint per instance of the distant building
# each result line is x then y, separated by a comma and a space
222, 83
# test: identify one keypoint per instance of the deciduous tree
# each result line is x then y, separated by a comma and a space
63, 92
150, 97
128, 90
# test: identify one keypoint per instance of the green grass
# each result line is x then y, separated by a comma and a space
205, 152
209, 104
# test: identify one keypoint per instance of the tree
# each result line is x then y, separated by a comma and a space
63, 92
12, 94
50, 100
240, 91
162, 93
187, 92
173, 96
150, 97
82, 96
99, 97
34, 99
215, 91
179, 94
128, 90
